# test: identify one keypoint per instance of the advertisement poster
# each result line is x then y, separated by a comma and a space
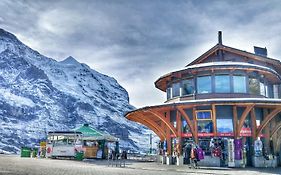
225, 127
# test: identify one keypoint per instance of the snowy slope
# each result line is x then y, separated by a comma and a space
39, 94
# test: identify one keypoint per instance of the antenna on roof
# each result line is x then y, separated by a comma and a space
220, 37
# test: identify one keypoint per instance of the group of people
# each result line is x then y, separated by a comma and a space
116, 158
115, 155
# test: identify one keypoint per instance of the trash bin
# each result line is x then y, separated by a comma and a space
79, 156
25, 152
34, 152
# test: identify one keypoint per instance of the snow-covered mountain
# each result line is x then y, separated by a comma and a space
39, 94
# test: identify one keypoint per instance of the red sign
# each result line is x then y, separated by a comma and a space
186, 134
225, 134
246, 132
205, 134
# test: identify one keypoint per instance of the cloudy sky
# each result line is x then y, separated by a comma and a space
137, 41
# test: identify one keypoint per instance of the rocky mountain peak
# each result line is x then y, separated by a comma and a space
7, 35
70, 60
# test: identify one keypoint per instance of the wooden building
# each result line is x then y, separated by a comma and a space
225, 92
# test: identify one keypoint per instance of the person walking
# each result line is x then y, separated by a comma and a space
193, 157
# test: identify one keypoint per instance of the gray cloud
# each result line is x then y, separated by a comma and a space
138, 41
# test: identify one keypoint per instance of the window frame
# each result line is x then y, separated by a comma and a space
211, 84
182, 87
197, 111
245, 83
229, 83
258, 91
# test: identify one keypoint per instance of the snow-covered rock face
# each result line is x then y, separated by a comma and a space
39, 94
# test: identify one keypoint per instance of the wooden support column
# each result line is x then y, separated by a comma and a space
195, 125
214, 119
163, 126
166, 131
188, 121
267, 133
278, 140
235, 121
243, 117
273, 125
179, 130
253, 123
168, 136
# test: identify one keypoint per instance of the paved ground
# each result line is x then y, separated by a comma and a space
14, 165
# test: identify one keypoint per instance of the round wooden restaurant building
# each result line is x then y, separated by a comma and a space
226, 102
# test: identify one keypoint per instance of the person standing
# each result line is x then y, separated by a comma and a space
193, 157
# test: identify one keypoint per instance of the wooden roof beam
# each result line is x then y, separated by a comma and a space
275, 129
243, 117
157, 130
267, 119
186, 117
164, 120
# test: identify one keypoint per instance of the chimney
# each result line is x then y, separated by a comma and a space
260, 51
220, 37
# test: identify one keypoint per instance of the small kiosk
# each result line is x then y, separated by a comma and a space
63, 144
95, 143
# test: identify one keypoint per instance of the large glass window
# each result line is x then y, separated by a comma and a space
169, 94
224, 126
254, 86
176, 89
239, 84
222, 83
275, 91
204, 120
204, 84
185, 127
205, 126
262, 89
187, 87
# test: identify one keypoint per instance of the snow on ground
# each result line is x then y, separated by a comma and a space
15, 100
